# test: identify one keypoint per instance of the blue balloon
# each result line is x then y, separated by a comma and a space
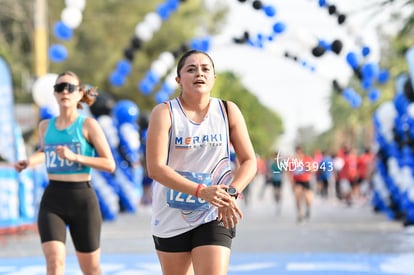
46, 113
270, 11
324, 44
124, 67
125, 111
401, 103
383, 76
200, 44
172, 5
152, 77
167, 88
374, 95
117, 79
161, 96
322, 3
58, 53
400, 81
279, 27
356, 101
145, 87
365, 51
352, 60
62, 31
348, 93
367, 83
163, 11
370, 70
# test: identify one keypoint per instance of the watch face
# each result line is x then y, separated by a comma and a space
232, 191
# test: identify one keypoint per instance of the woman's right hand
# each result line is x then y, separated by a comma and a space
216, 195
21, 165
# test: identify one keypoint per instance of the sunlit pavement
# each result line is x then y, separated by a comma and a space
336, 240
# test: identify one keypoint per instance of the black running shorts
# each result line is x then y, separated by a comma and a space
211, 233
73, 205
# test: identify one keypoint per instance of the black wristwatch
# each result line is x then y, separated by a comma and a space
232, 191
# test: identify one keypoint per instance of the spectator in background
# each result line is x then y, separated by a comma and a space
365, 164
274, 177
348, 176
324, 174
301, 171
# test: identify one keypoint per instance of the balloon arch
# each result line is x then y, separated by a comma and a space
122, 190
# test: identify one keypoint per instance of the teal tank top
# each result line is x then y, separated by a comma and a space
73, 138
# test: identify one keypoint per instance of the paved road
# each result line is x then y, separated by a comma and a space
336, 240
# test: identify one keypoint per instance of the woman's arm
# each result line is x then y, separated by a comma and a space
239, 137
37, 157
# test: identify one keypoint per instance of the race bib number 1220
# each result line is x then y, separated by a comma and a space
184, 201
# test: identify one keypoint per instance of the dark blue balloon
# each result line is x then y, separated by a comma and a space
322, 3
46, 113
270, 11
116, 79
58, 53
324, 44
205, 44
370, 70
367, 83
125, 111
145, 87
163, 11
365, 51
62, 31
383, 76
124, 67
374, 95
279, 27
352, 60
172, 5
161, 96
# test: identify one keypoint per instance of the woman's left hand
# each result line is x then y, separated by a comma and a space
230, 215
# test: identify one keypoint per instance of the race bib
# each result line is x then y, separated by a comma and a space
184, 201
54, 163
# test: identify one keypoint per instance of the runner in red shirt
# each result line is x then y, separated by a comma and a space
301, 169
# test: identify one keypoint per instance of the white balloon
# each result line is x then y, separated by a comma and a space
79, 4
143, 32
386, 113
411, 194
131, 135
110, 131
410, 110
170, 81
42, 90
153, 21
159, 68
168, 59
72, 17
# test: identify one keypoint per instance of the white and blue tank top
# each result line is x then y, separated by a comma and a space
200, 152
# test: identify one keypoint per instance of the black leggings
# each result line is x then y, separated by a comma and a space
72, 204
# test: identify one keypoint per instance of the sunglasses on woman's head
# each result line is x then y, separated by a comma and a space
59, 88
